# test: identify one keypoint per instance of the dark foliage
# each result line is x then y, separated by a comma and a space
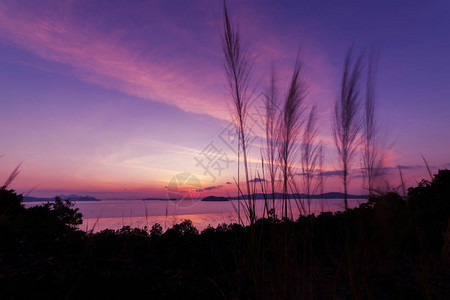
387, 248
429, 203
156, 230
10, 203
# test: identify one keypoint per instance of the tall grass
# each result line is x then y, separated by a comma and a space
289, 129
238, 71
271, 167
428, 167
11, 177
346, 122
402, 182
372, 159
309, 155
320, 179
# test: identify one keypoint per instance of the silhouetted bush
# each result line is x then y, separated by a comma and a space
184, 228
10, 202
128, 231
382, 249
156, 230
208, 230
429, 203
63, 212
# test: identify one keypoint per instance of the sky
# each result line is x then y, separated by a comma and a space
115, 98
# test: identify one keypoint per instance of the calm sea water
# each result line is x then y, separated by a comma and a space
113, 214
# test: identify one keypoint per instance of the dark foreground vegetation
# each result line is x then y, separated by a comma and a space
388, 248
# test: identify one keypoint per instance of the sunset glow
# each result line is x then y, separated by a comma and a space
113, 99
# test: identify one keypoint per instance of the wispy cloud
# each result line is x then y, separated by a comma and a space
173, 65
257, 180
108, 59
209, 188
333, 173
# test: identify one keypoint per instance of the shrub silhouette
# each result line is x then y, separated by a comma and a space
391, 222
128, 231
374, 249
65, 212
39, 225
156, 230
429, 203
184, 228
10, 202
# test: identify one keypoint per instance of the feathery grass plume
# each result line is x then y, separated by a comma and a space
402, 182
289, 129
11, 177
428, 167
347, 123
263, 186
309, 154
237, 208
372, 159
238, 70
320, 182
271, 100
93, 227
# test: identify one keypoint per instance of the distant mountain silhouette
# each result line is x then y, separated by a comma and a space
330, 195
160, 199
260, 196
215, 199
71, 197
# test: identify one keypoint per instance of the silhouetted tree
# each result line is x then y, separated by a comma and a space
10, 202
156, 230
183, 228
65, 212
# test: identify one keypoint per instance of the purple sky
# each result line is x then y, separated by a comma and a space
113, 98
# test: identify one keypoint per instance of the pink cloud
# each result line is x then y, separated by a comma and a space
103, 59
109, 59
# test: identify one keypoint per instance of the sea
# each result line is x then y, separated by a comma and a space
114, 214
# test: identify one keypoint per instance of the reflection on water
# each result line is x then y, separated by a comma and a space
113, 214
200, 221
